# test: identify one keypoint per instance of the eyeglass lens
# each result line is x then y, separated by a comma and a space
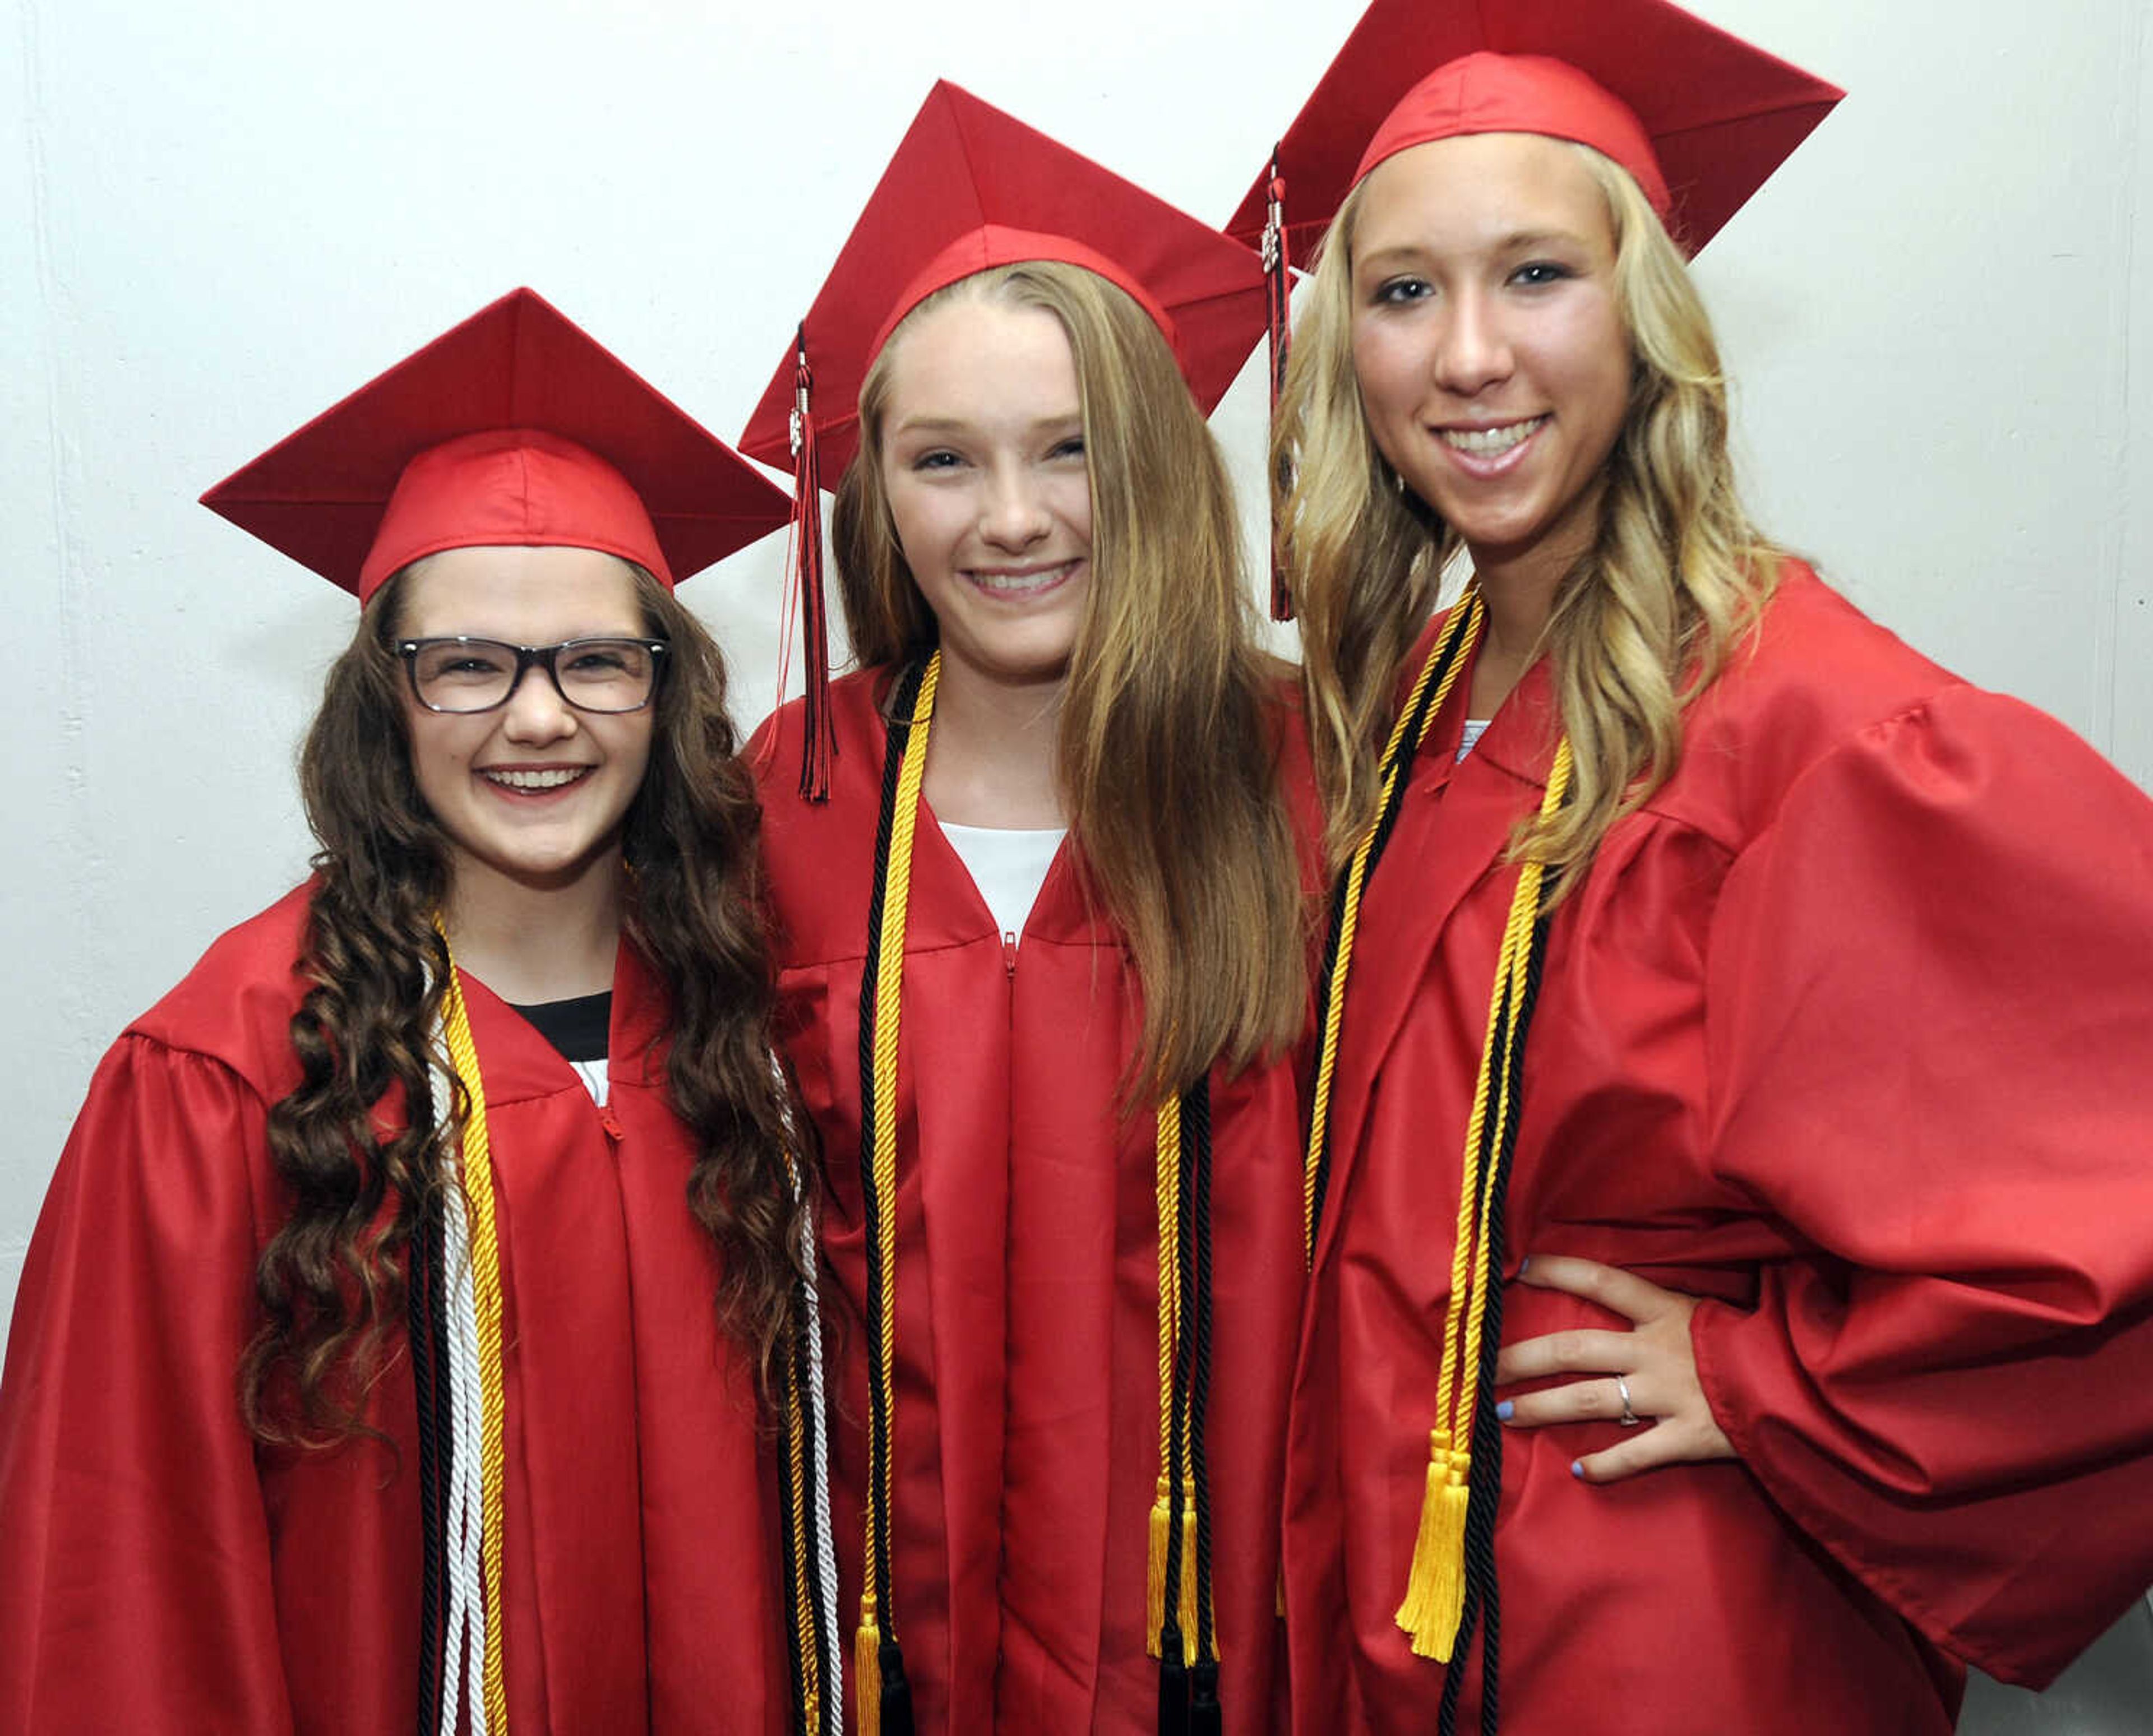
478, 674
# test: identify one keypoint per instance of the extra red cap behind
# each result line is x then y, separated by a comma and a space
514, 428
1699, 117
970, 188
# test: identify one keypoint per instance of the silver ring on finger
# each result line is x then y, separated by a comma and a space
1629, 1419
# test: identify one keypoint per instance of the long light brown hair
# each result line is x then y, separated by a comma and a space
330, 1282
1168, 732
1646, 618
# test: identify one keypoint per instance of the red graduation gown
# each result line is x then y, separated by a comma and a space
1848, 1030
162, 1572
1026, 1447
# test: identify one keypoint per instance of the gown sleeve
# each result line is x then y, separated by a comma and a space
136, 1589
1932, 1060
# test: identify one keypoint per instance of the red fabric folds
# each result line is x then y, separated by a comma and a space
1846, 1032
161, 1573
1026, 1445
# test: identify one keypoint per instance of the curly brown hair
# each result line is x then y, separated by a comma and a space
359, 1143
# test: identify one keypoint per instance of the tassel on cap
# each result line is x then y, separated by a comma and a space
817, 748
1435, 1587
1278, 303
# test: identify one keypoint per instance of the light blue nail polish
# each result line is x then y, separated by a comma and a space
1524, 1265
1577, 1469
1503, 1411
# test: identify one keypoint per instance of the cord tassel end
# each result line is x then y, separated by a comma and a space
1435, 1588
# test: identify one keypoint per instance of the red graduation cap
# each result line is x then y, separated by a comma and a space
513, 428
1699, 117
971, 188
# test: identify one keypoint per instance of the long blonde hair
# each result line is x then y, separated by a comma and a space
1643, 621
1168, 732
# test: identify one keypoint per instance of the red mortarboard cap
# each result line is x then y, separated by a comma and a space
1491, 93
970, 188
513, 428
1698, 117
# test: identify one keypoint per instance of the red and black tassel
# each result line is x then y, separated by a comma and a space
817, 750
1278, 305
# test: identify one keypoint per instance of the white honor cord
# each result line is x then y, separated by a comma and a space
825, 1548
466, 1640
818, 1429
463, 1643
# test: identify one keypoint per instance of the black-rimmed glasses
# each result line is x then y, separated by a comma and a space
462, 675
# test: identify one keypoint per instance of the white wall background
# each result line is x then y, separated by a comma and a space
220, 217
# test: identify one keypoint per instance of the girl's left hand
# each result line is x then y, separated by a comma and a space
1656, 1367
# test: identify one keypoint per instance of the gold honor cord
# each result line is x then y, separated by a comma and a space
881, 996
476, 1168
1452, 652
1435, 1593
1180, 1630
901, 781
1168, 1191
1171, 1507
807, 1657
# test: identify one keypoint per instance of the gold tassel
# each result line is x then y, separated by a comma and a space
1155, 1572
1185, 1616
1155, 1568
867, 1669
1435, 1589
